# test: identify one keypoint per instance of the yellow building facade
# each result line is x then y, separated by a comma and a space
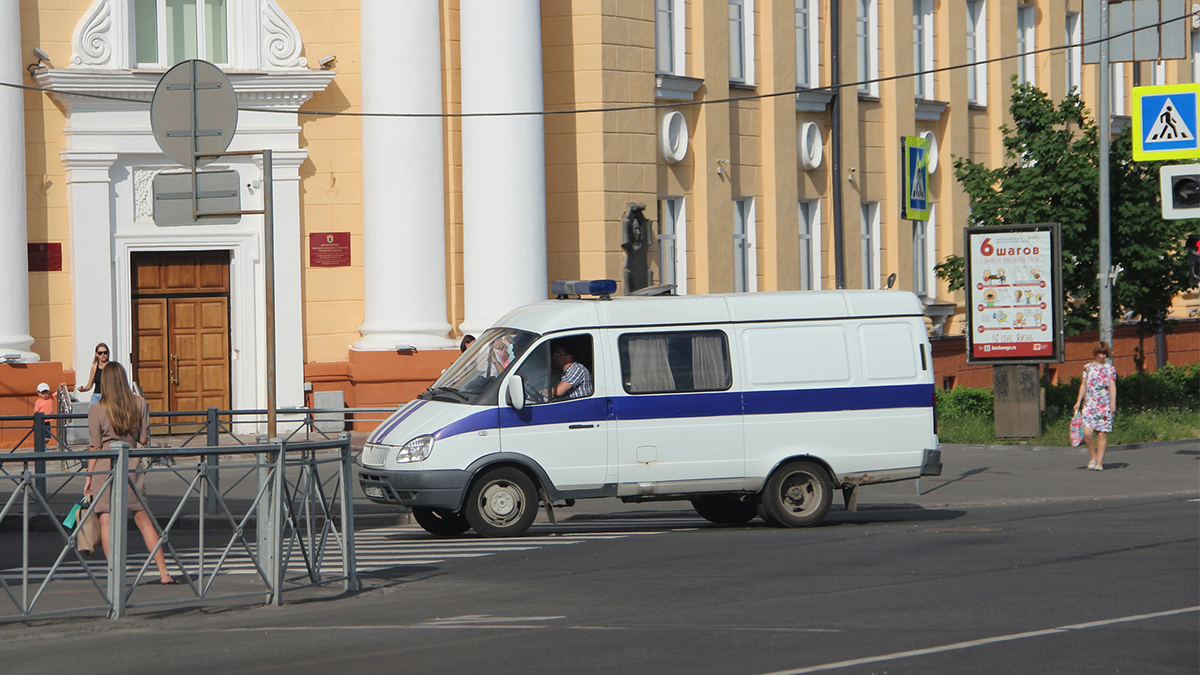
687, 107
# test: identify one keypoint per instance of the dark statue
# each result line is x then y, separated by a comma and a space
635, 239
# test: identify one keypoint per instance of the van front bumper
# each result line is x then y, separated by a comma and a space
434, 489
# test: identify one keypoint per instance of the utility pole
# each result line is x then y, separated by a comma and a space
1105, 266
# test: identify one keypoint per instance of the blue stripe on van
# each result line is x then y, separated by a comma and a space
399, 416
709, 404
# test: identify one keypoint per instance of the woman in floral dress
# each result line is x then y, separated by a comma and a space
1098, 395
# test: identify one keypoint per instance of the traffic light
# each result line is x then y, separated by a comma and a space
1179, 187
1193, 252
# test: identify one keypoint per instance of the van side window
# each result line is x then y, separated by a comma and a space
660, 363
559, 370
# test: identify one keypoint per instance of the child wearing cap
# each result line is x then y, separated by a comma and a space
45, 405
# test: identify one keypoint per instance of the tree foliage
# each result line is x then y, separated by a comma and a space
1051, 175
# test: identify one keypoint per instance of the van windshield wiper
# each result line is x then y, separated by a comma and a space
455, 395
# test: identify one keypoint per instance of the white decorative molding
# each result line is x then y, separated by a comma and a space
143, 194
283, 45
673, 136
676, 87
92, 43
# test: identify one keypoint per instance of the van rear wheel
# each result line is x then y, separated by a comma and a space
724, 509
502, 503
442, 522
798, 494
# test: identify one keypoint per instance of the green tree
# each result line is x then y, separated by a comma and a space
1051, 175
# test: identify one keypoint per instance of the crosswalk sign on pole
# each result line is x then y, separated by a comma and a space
1166, 122
915, 203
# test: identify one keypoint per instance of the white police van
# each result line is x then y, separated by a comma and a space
745, 404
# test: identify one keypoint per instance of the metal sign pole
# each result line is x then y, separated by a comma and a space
1105, 264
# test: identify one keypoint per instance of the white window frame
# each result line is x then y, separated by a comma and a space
746, 77
1116, 91
744, 236
1026, 44
678, 51
870, 244
1074, 54
923, 48
868, 68
1195, 42
977, 41
672, 216
1158, 73
810, 238
201, 37
811, 10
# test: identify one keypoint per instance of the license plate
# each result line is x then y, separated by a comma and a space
372, 491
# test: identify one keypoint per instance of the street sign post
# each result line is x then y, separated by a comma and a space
1166, 122
194, 116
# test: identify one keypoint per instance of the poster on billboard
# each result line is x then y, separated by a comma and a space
1014, 294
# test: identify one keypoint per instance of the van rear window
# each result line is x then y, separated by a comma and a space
684, 361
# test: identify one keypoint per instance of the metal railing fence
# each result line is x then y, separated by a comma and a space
301, 513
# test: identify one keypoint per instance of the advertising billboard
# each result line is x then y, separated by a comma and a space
1014, 294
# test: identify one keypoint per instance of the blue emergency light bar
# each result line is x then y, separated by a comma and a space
599, 287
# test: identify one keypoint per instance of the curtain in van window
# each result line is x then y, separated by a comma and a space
649, 368
708, 363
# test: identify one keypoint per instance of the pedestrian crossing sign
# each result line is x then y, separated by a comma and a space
1166, 124
915, 204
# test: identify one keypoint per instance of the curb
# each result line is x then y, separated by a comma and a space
1059, 448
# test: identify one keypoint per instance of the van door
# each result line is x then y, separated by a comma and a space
679, 415
564, 425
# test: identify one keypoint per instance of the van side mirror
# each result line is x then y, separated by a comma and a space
516, 392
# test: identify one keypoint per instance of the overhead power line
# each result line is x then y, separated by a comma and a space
626, 108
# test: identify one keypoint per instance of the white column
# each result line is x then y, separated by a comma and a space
89, 208
14, 250
504, 160
404, 221
289, 304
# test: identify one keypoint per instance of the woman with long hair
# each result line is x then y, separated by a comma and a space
99, 362
123, 416
1098, 396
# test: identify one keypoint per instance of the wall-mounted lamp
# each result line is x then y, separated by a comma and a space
327, 62
720, 170
406, 349
43, 61
852, 173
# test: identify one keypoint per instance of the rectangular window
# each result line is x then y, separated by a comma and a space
920, 258
167, 32
867, 46
671, 246
684, 361
923, 48
810, 245
737, 47
743, 245
1074, 54
807, 44
1025, 44
664, 36
977, 51
870, 244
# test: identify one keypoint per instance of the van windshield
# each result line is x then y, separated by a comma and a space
475, 376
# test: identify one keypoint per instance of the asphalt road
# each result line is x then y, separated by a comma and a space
1012, 561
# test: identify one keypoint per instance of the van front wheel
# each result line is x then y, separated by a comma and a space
797, 495
502, 503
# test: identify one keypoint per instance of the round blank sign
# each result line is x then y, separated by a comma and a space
194, 110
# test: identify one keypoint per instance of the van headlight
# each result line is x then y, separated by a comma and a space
415, 450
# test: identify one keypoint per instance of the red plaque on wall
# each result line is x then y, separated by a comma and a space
329, 249
45, 257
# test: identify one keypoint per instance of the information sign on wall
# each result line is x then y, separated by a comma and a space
45, 257
1014, 294
329, 249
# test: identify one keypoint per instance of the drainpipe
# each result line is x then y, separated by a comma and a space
835, 48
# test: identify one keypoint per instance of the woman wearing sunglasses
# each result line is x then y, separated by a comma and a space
99, 361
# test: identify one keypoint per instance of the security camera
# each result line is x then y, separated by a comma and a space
40, 54
327, 62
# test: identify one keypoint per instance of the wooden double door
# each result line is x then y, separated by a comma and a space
181, 332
